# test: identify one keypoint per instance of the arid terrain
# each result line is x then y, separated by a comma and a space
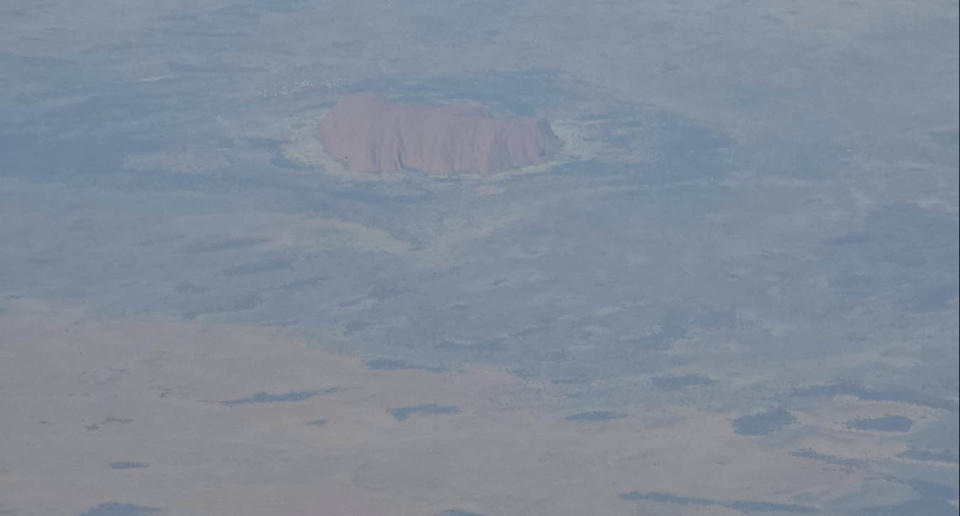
492, 258
201, 419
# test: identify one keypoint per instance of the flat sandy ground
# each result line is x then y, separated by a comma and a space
130, 412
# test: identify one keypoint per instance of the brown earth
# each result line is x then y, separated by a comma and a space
79, 392
370, 134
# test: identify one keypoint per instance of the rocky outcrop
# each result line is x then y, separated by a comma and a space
367, 133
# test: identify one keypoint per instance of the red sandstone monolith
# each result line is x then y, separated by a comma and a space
367, 133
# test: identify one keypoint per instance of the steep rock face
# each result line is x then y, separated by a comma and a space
368, 133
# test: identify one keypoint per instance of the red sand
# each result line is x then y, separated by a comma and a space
370, 134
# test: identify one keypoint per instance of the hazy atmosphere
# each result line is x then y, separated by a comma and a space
478, 258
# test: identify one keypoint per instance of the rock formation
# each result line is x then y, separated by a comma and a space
370, 134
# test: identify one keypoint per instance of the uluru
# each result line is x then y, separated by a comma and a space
368, 133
